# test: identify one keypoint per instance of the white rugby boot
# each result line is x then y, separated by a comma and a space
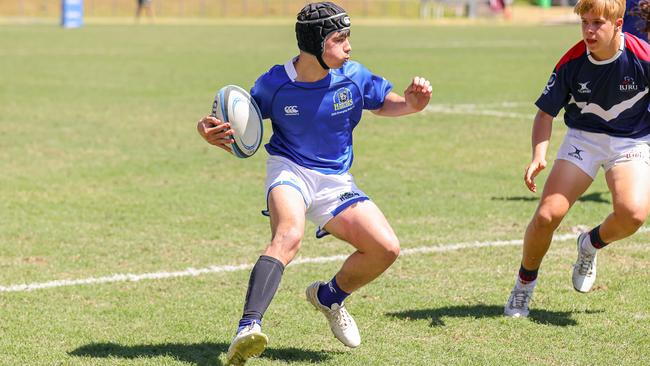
517, 305
341, 323
249, 342
584, 269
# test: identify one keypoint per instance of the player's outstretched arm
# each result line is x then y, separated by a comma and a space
416, 98
215, 132
541, 136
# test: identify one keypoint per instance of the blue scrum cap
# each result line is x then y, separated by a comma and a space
315, 22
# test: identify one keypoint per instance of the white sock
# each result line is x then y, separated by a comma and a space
525, 286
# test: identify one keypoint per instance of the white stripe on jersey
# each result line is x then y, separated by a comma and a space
611, 113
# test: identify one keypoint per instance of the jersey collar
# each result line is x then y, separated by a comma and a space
292, 74
290, 69
613, 58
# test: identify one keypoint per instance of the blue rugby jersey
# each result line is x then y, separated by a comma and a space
633, 24
313, 122
609, 96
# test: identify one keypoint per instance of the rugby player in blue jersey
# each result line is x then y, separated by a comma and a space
635, 21
314, 102
602, 84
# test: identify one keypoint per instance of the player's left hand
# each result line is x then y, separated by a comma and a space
418, 94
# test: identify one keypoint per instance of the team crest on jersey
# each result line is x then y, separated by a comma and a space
628, 84
343, 99
584, 89
550, 83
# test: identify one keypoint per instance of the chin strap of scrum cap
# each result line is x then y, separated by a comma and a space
315, 22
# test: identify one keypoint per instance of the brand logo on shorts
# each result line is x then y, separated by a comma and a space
291, 110
634, 155
576, 153
348, 195
583, 88
628, 84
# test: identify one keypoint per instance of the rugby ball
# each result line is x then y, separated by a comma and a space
233, 104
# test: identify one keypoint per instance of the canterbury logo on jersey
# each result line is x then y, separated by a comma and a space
291, 110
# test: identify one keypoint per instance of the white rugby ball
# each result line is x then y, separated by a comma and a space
233, 104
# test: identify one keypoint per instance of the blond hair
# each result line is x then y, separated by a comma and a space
608, 9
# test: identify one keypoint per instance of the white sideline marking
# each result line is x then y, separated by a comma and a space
473, 45
193, 272
478, 110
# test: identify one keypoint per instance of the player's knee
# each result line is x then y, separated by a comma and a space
288, 239
391, 249
637, 220
546, 220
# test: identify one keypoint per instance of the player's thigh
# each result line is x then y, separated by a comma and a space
564, 185
365, 227
287, 211
630, 187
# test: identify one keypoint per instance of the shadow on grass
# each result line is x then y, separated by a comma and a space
597, 197
557, 318
200, 354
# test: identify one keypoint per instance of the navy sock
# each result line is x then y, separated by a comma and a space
527, 275
243, 323
331, 293
596, 241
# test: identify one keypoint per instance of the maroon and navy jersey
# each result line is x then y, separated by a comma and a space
609, 96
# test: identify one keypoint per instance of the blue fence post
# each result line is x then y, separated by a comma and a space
72, 13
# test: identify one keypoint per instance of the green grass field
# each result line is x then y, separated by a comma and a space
102, 173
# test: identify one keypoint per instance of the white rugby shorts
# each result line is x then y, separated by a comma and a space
590, 151
325, 195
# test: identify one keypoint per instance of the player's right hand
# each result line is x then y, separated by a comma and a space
215, 132
531, 172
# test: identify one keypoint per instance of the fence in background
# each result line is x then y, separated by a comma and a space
212, 8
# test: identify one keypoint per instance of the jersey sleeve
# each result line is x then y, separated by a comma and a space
262, 92
376, 90
373, 87
555, 95
641, 51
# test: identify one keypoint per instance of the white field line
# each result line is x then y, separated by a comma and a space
463, 45
194, 272
478, 110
